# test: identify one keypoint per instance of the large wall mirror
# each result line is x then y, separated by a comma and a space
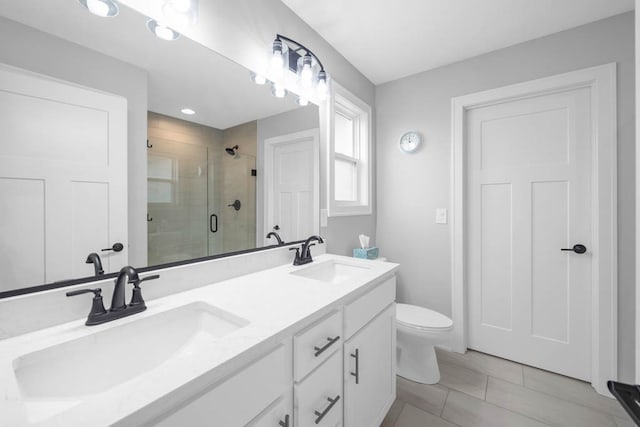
204, 181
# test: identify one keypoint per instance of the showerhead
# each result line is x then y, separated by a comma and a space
232, 151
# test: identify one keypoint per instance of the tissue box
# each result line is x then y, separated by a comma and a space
369, 253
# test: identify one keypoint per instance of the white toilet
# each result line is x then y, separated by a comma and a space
419, 330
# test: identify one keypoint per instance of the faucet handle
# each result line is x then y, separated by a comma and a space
137, 282
97, 308
97, 292
136, 295
298, 259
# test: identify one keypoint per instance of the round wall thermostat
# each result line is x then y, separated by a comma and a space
410, 141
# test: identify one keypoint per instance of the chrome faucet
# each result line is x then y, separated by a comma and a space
277, 236
303, 254
118, 309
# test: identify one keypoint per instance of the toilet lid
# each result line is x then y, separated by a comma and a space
421, 317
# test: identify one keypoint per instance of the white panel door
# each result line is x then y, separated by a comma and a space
293, 186
529, 191
63, 179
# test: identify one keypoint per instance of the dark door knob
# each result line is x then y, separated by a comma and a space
579, 249
117, 247
277, 227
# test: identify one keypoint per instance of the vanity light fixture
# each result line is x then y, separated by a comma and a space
288, 55
103, 8
162, 31
187, 111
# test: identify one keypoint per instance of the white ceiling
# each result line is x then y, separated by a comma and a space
390, 39
181, 73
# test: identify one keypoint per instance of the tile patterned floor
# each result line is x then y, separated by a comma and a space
478, 390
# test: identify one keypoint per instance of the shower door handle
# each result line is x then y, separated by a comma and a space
211, 218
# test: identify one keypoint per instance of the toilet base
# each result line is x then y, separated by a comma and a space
417, 359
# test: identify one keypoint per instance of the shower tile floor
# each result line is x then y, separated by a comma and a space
477, 389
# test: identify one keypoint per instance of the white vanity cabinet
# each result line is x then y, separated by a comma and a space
337, 371
369, 357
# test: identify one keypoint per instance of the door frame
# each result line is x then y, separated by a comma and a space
270, 145
601, 81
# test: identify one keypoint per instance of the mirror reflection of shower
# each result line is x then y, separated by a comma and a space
232, 151
194, 173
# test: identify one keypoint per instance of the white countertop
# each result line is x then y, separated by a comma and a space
275, 303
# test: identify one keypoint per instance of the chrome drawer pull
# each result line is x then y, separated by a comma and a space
320, 350
321, 415
356, 374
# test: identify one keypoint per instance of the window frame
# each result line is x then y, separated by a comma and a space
347, 104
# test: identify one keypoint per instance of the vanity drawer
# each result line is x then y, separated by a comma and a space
318, 398
241, 397
316, 344
361, 311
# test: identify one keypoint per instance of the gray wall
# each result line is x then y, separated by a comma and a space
42, 53
411, 187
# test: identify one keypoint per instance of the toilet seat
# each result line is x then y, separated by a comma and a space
412, 316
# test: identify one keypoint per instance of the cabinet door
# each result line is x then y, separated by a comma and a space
370, 370
279, 414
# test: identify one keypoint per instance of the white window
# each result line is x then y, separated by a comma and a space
349, 177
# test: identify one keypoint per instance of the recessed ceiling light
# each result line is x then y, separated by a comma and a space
103, 8
188, 111
162, 31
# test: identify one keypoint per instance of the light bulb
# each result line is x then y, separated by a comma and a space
302, 101
306, 73
322, 89
187, 111
276, 65
102, 8
277, 61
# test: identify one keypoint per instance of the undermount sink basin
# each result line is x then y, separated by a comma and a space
97, 362
331, 271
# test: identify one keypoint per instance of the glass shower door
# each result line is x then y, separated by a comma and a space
178, 217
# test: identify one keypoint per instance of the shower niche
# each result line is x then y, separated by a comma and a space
201, 189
